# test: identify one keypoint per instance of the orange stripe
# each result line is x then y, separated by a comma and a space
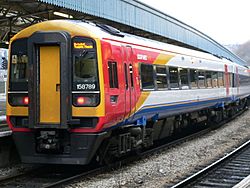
162, 59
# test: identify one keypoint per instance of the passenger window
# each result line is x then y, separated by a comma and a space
201, 79
173, 76
147, 77
193, 78
235, 80
184, 78
231, 79
161, 77
215, 79
221, 79
126, 75
113, 79
209, 79
131, 75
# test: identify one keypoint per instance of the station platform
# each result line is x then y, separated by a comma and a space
2, 109
4, 133
4, 129
2, 105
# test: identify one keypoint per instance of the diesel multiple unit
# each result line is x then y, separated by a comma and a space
79, 91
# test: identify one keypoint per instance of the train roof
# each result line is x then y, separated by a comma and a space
89, 29
103, 33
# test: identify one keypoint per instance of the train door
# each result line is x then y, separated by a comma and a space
49, 61
130, 93
49, 80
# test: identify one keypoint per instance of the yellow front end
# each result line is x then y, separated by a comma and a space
55, 103
50, 74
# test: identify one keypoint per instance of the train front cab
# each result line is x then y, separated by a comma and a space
45, 96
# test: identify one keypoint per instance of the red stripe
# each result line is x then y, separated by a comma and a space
98, 127
83, 130
11, 126
148, 47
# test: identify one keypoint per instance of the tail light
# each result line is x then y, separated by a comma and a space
86, 99
18, 99
80, 101
26, 100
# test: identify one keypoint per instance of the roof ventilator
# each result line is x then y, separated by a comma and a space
111, 30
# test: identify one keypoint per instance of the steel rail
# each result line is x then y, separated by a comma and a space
206, 170
13, 179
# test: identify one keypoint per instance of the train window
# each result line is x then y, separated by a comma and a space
243, 80
209, 79
173, 78
193, 78
147, 77
201, 79
235, 80
113, 79
85, 69
19, 66
231, 79
131, 75
184, 78
221, 79
215, 79
126, 75
161, 77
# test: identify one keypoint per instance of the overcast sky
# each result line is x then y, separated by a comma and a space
226, 21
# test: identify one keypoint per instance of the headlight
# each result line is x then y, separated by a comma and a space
80, 99
18, 99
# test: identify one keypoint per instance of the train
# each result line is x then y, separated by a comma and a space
80, 91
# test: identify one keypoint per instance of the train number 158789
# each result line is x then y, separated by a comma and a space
85, 86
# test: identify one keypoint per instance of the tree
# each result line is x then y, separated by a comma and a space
243, 51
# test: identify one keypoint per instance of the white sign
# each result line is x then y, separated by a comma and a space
3, 75
142, 57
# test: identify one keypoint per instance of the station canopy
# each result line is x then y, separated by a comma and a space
130, 16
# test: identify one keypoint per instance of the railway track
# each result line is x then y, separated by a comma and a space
53, 176
226, 172
47, 176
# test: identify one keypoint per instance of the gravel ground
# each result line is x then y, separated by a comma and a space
14, 169
172, 164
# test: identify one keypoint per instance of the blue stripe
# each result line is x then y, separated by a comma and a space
174, 108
